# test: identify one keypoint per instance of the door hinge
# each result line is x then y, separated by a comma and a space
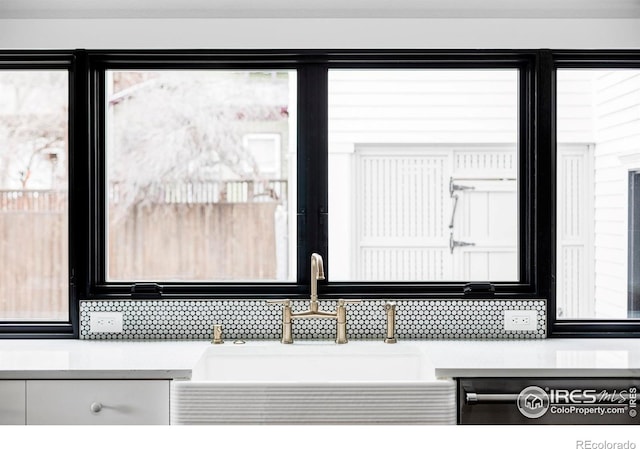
453, 244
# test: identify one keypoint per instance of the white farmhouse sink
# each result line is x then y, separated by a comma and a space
363, 382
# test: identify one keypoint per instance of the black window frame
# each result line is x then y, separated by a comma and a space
529, 275
312, 193
87, 172
99, 63
55, 60
537, 175
584, 59
633, 288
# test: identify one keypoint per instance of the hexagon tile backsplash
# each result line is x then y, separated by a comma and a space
254, 319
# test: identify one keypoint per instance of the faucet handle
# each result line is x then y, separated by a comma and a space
286, 318
217, 334
390, 308
341, 315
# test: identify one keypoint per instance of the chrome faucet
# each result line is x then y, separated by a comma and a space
340, 315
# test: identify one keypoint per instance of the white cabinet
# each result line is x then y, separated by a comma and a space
12, 403
97, 402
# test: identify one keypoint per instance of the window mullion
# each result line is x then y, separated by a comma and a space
312, 166
79, 232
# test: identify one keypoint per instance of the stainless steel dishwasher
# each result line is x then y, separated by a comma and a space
548, 401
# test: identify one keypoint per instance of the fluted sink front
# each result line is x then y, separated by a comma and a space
362, 382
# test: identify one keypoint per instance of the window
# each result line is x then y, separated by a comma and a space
596, 154
252, 162
35, 150
423, 175
449, 174
633, 309
203, 156
597, 161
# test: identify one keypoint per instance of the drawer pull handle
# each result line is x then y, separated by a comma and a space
96, 407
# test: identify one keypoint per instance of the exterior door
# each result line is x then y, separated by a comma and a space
484, 229
416, 206
400, 197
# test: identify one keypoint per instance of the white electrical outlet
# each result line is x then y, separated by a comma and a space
105, 322
520, 320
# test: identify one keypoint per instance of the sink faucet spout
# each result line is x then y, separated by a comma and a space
317, 273
340, 314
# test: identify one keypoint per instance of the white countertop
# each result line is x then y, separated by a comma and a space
545, 358
80, 359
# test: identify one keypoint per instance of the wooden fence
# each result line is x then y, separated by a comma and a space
211, 231
33, 255
188, 235
202, 242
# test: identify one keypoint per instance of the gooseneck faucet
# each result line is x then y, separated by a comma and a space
340, 315
317, 274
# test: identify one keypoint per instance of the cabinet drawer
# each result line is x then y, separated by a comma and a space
97, 402
12, 406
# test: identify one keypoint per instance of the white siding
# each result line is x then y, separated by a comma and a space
601, 108
575, 121
618, 134
422, 106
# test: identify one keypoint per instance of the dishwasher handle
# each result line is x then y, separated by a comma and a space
490, 398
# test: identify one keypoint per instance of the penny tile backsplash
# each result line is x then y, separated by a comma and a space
254, 319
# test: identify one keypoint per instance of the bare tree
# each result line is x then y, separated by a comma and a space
173, 127
33, 127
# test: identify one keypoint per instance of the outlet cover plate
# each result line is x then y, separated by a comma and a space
520, 320
100, 322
